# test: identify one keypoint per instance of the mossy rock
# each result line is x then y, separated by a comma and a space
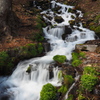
59, 19
48, 92
59, 58
72, 22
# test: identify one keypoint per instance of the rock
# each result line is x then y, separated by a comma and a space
58, 19
97, 90
46, 47
67, 32
83, 47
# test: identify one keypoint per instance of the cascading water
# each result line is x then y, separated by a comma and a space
27, 86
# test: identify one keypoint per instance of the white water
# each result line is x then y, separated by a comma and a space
23, 86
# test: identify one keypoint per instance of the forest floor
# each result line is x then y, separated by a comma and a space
22, 35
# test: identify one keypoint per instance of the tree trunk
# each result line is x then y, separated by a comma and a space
5, 10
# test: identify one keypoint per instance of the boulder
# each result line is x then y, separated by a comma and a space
84, 47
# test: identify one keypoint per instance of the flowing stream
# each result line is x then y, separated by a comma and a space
27, 86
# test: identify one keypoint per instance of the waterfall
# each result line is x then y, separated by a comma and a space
22, 85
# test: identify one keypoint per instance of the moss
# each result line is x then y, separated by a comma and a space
72, 22
48, 92
59, 58
73, 17
28, 69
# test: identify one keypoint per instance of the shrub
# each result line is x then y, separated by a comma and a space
82, 54
6, 64
59, 58
75, 56
40, 48
88, 82
38, 37
70, 97
63, 89
32, 51
48, 92
3, 58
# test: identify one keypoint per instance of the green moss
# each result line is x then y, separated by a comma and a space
28, 69
59, 58
48, 92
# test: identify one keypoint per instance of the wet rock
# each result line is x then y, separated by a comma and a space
93, 42
46, 47
67, 32
58, 19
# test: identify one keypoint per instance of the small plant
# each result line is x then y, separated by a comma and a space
75, 55
76, 63
75, 58
88, 82
60, 76
63, 89
81, 97
90, 70
70, 97
3, 58
40, 48
28, 69
82, 54
48, 92
68, 80
59, 58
